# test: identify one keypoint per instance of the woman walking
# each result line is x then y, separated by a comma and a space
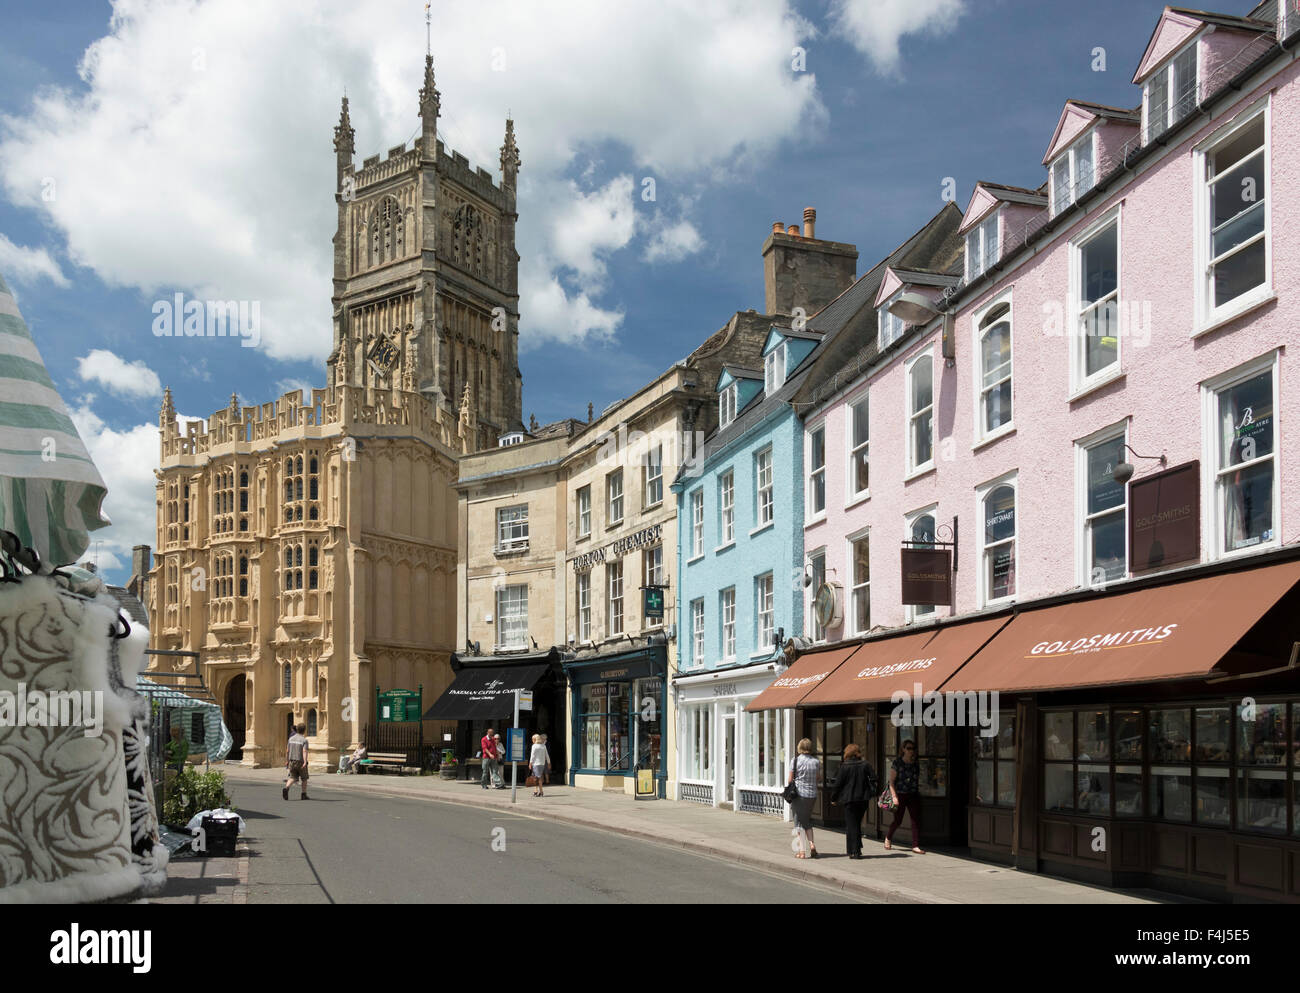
540, 762
855, 786
904, 780
805, 771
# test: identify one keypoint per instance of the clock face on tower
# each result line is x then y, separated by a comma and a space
382, 354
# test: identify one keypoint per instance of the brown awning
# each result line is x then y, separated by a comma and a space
880, 668
1179, 631
808, 671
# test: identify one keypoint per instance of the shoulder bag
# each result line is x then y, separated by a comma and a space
791, 793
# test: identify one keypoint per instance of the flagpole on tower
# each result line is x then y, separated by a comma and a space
428, 36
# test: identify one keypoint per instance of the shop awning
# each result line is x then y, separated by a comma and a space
879, 668
1178, 631
808, 671
484, 693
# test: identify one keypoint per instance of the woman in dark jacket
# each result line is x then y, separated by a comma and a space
855, 786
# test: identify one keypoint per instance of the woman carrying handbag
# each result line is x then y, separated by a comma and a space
805, 772
854, 787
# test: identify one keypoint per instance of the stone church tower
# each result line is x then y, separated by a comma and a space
306, 547
426, 277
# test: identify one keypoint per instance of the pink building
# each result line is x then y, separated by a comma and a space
1146, 295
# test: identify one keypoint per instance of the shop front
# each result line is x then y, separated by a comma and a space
727, 756
618, 709
482, 696
1150, 737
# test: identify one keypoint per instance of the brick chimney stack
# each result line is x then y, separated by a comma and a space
802, 271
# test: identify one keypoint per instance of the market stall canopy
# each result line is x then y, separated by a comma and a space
50, 490
809, 670
1175, 631
882, 667
484, 693
217, 740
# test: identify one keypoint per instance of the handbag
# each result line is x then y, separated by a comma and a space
791, 792
530, 781
887, 801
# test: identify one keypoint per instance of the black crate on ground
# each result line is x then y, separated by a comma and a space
219, 836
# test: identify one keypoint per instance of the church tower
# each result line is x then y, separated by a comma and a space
426, 277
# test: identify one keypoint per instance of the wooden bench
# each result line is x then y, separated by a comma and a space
383, 760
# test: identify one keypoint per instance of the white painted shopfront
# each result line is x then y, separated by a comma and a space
725, 756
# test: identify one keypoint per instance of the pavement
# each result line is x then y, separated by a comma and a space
758, 842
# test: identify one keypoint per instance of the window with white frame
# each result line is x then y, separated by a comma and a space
1104, 504
728, 604
697, 523
920, 432
652, 560
997, 508
584, 607
697, 632
654, 477
512, 528
512, 617
861, 550
763, 487
727, 504
774, 369
817, 470
1233, 237
765, 763
766, 610
1244, 459
614, 597
697, 726
1096, 337
982, 247
859, 448
1170, 94
1073, 173
921, 530
817, 569
994, 370
727, 406
614, 498
584, 512
889, 327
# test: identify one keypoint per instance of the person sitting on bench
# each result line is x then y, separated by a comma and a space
348, 763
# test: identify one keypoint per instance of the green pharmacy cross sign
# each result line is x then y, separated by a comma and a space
654, 602
399, 705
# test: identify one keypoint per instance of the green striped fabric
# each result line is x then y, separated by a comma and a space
50, 490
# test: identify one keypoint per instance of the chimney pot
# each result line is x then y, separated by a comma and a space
794, 230
776, 227
809, 222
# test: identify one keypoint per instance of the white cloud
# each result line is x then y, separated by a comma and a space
133, 379
196, 157
26, 265
291, 385
875, 27
674, 242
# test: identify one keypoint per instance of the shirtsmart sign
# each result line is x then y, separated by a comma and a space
1102, 642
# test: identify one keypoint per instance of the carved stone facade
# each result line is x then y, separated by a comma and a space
306, 548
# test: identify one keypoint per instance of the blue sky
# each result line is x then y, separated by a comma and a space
197, 155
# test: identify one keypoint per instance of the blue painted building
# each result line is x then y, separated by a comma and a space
740, 512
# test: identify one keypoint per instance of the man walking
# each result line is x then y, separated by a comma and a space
489, 749
297, 763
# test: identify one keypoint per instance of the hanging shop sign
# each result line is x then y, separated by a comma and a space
1165, 518
654, 602
927, 577
645, 538
829, 605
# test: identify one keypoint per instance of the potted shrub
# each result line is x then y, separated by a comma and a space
449, 769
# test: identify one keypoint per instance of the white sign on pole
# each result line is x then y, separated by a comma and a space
525, 699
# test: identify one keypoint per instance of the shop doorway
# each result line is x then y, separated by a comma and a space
233, 714
728, 761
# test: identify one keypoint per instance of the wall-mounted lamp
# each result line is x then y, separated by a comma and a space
1124, 471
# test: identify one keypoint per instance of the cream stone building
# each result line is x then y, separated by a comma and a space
306, 548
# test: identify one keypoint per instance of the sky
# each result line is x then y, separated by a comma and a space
155, 147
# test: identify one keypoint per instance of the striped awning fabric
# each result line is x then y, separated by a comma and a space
50, 490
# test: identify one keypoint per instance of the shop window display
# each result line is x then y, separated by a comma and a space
995, 763
931, 754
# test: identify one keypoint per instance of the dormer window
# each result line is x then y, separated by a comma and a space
890, 327
982, 247
727, 406
1170, 94
1073, 174
774, 369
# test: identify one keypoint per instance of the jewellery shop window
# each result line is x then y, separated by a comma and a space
995, 762
931, 753
606, 741
1078, 771
831, 737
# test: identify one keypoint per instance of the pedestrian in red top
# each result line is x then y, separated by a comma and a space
489, 749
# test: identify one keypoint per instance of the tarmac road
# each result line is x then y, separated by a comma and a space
345, 847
